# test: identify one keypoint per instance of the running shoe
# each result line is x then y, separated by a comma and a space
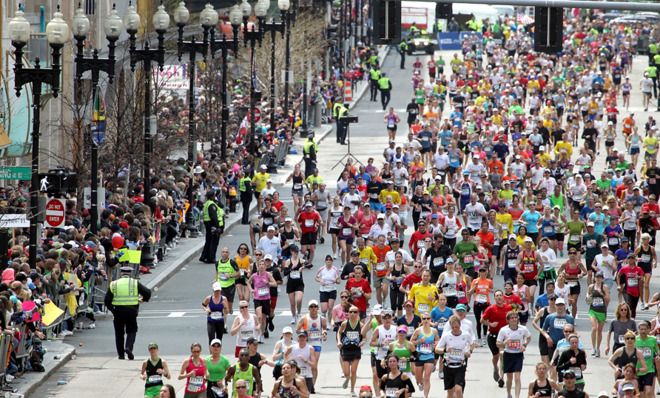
496, 375
345, 385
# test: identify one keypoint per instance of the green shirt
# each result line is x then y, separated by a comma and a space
465, 249
217, 370
649, 348
604, 184
575, 228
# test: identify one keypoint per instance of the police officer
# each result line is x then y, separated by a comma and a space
123, 300
335, 114
245, 192
213, 217
385, 87
310, 149
343, 124
652, 71
374, 75
403, 49
653, 50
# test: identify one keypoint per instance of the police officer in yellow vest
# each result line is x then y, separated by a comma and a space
213, 217
374, 75
403, 49
385, 87
653, 51
652, 71
310, 150
245, 192
335, 114
343, 124
123, 300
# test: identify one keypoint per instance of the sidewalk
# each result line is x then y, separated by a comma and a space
59, 353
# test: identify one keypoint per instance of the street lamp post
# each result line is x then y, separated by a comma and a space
253, 36
288, 18
146, 55
113, 27
274, 27
208, 18
57, 34
235, 17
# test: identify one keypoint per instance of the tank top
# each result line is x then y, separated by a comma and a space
398, 275
644, 257
461, 290
314, 330
217, 311
288, 236
295, 273
571, 273
392, 385
425, 346
196, 384
449, 285
626, 358
597, 301
245, 375
329, 277
545, 391
153, 378
297, 182
296, 353
512, 256
335, 213
547, 227
403, 354
385, 337
285, 391
246, 331
351, 336
529, 267
261, 287
243, 264
283, 348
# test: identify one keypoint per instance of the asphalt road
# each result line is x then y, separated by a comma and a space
174, 319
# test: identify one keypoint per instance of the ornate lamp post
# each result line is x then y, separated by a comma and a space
274, 27
113, 28
253, 36
57, 34
146, 55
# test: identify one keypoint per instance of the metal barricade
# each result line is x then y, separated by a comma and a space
281, 151
24, 348
5, 344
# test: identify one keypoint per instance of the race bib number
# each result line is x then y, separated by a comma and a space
571, 283
423, 308
549, 229
391, 392
353, 335
356, 292
514, 345
297, 186
309, 223
268, 221
481, 298
449, 290
438, 261
512, 263
425, 348
455, 355
613, 241
373, 195
246, 334
632, 282
346, 231
263, 291
468, 259
294, 275
223, 276
574, 238
216, 315
420, 244
598, 302
304, 371
153, 379
577, 371
314, 335
621, 339
528, 268
645, 258
559, 323
195, 384
381, 267
647, 352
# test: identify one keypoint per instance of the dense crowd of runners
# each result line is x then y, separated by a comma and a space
494, 178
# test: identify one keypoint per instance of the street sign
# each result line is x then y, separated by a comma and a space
87, 198
22, 173
55, 213
14, 221
257, 115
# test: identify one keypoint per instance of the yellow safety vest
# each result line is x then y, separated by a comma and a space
224, 270
221, 216
342, 111
384, 83
241, 183
308, 145
124, 292
374, 74
652, 71
335, 109
206, 217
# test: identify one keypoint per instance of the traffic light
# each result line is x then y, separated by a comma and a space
443, 10
386, 17
548, 29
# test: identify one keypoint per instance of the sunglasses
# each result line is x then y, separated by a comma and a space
630, 338
215, 345
257, 254
344, 297
426, 319
243, 306
572, 252
352, 312
313, 306
240, 387
196, 351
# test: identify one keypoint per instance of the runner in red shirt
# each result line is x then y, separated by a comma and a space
418, 236
631, 283
495, 317
360, 290
309, 221
412, 278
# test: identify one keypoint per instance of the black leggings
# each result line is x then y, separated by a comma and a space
479, 308
632, 303
215, 330
397, 298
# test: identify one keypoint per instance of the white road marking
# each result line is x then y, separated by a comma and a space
176, 314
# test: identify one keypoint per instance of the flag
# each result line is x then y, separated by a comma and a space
98, 119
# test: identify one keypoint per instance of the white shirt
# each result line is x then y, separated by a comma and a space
455, 346
603, 264
441, 161
270, 246
517, 338
350, 199
376, 230
548, 259
475, 214
389, 256
466, 327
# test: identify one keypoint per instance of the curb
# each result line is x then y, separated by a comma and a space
46, 375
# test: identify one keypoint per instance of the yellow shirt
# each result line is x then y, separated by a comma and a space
385, 193
651, 144
312, 179
368, 254
544, 158
420, 295
260, 180
506, 221
563, 145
